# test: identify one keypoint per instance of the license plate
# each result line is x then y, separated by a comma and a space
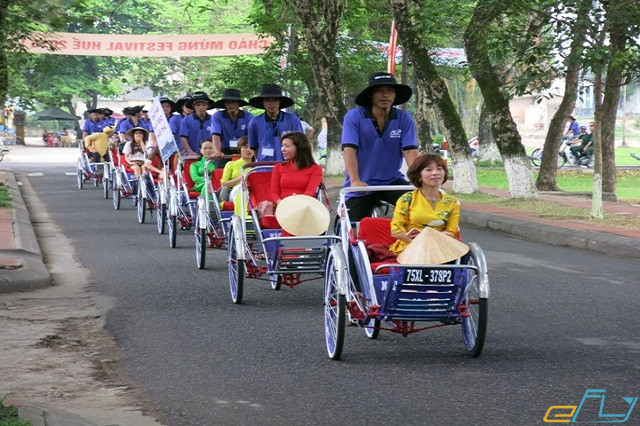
428, 276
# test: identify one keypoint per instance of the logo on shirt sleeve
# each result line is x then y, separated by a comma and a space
397, 133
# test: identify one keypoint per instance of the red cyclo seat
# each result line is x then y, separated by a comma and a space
377, 230
215, 179
186, 177
259, 185
123, 161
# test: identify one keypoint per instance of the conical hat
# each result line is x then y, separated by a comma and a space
302, 215
431, 247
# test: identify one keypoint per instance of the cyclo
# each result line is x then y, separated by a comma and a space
88, 170
211, 223
398, 297
255, 251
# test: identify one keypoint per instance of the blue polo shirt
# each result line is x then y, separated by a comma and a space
379, 153
174, 124
195, 130
92, 127
264, 134
119, 124
575, 128
108, 122
228, 130
128, 124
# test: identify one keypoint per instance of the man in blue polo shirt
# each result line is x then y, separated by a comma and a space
135, 121
195, 127
266, 129
228, 125
93, 124
375, 138
176, 119
108, 119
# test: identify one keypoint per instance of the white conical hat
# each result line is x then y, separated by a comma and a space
302, 215
431, 247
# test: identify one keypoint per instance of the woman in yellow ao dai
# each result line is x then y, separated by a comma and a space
415, 209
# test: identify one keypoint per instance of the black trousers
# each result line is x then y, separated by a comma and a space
96, 158
226, 151
363, 206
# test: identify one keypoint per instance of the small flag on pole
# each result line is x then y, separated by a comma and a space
393, 41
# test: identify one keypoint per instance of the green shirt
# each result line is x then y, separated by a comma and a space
197, 174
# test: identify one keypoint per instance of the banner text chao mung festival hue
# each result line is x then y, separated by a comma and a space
149, 45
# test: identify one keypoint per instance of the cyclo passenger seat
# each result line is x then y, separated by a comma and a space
186, 178
377, 230
259, 185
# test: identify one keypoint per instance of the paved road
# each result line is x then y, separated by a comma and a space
561, 321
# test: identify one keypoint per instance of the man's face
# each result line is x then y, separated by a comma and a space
93, 116
271, 105
200, 107
232, 106
383, 97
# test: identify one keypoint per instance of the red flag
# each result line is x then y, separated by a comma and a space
393, 41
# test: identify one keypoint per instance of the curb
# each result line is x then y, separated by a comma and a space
42, 415
608, 244
33, 274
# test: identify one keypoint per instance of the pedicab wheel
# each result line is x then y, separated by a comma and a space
80, 179
535, 156
372, 328
236, 270
201, 246
276, 281
105, 187
161, 216
142, 204
474, 325
117, 196
173, 230
334, 309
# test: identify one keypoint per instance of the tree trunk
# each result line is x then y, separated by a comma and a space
548, 167
619, 29
437, 94
423, 122
321, 21
72, 110
487, 148
597, 212
505, 132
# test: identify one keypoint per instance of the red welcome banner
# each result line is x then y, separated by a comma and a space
148, 45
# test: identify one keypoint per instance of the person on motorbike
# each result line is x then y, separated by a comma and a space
573, 130
585, 141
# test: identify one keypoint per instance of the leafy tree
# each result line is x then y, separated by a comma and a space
411, 32
20, 19
574, 28
489, 18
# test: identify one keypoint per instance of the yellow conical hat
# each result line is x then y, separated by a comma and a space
302, 215
431, 247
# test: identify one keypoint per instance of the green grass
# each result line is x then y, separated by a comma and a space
9, 415
5, 198
628, 181
554, 211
